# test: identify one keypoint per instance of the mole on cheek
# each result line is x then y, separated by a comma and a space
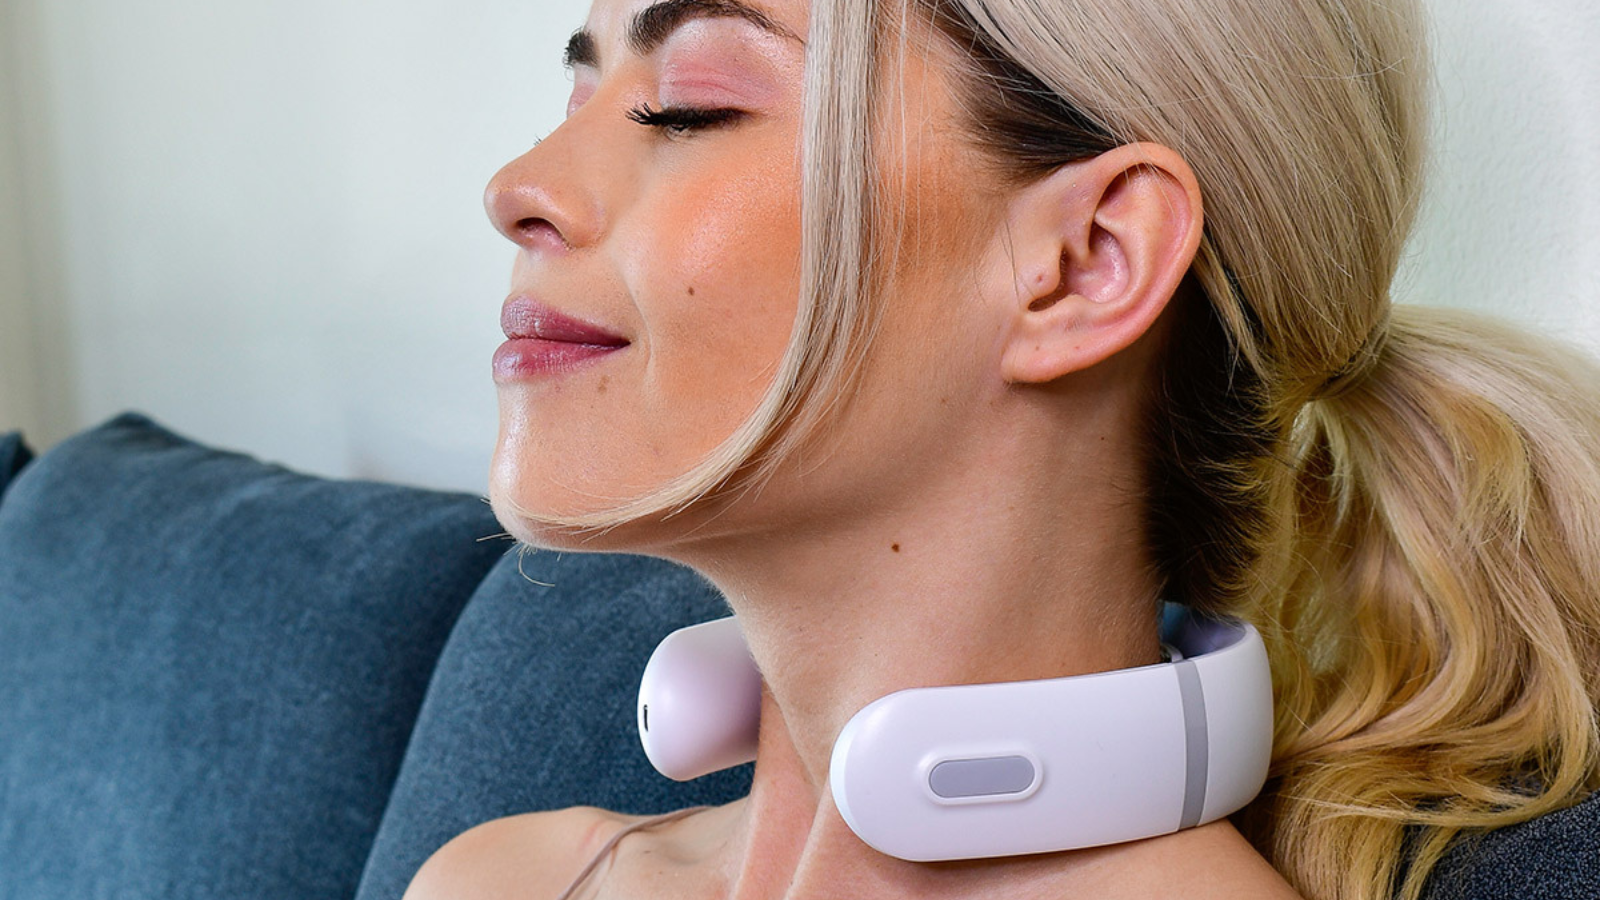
895, 547
691, 290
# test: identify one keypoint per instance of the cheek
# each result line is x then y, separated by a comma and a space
933, 368
940, 320
716, 285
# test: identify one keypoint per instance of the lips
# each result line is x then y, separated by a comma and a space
523, 317
544, 343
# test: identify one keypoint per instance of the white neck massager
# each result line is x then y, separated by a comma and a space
988, 770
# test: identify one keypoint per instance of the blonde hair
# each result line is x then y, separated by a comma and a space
1405, 501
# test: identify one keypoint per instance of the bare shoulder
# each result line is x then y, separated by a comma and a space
526, 857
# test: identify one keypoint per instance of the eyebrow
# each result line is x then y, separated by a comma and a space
652, 26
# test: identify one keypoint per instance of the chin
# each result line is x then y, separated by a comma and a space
534, 486
531, 501
527, 505
536, 524
533, 522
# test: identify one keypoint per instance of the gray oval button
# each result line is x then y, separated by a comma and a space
990, 777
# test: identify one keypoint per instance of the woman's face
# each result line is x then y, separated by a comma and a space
657, 270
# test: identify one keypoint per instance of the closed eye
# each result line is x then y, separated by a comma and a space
683, 119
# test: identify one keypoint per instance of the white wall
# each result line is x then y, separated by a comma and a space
1512, 221
19, 390
261, 223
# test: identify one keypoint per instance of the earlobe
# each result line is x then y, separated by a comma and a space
1098, 248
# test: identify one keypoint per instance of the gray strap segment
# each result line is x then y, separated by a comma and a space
1196, 740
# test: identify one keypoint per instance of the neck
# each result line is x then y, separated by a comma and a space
965, 586
922, 601
945, 577
929, 603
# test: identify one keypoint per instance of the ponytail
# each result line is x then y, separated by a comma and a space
1434, 616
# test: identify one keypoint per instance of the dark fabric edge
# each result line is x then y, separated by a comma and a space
15, 454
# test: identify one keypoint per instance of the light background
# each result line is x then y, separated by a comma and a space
262, 223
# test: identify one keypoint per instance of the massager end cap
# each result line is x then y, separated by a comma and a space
699, 707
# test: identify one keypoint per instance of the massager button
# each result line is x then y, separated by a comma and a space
959, 779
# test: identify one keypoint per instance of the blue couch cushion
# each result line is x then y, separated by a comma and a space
532, 706
209, 666
14, 454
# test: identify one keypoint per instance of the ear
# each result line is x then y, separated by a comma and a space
1097, 249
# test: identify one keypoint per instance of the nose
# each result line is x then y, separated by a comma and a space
538, 207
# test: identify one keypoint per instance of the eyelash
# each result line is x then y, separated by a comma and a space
678, 120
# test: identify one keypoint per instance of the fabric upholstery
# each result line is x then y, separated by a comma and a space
532, 706
210, 666
1553, 857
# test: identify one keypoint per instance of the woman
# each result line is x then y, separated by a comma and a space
948, 336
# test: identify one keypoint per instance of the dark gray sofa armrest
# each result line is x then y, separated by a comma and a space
14, 455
